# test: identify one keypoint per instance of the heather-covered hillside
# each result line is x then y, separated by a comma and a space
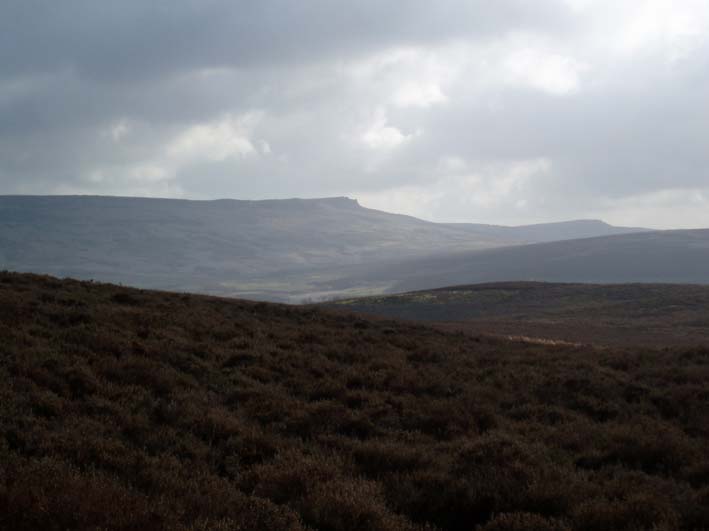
129, 409
612, 314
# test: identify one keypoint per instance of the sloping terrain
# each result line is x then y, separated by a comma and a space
617, 314
678, 256
130, 409
549, 232
261, 249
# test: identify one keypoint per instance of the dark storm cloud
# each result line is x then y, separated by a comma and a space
132, 39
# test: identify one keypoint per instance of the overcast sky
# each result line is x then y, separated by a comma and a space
504, 111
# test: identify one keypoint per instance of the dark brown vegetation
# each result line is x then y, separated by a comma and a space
610, 314
128, 409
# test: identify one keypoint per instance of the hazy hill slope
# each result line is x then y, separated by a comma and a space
271, 249
679, 256
627, 314
128, 409
548, 232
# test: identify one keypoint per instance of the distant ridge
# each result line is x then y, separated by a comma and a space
679, 256
273, 249
567, 230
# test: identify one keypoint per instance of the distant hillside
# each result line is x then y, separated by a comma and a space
679, 256
127, 409
549, 232
263, 249
617, 314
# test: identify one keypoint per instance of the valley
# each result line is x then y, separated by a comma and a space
279, 250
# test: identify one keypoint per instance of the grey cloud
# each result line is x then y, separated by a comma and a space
132, 39
72, 72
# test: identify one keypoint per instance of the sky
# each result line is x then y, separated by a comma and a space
506, 112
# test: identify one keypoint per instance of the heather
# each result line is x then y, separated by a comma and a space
132, 409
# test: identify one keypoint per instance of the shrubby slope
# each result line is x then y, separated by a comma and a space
129, 409
602, 314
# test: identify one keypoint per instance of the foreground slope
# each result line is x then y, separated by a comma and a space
677, 256
261, 249
128, 409
618, 314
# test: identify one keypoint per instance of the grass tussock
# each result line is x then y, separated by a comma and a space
127, 409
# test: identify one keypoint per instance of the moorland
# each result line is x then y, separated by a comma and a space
643, 315
124, 409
